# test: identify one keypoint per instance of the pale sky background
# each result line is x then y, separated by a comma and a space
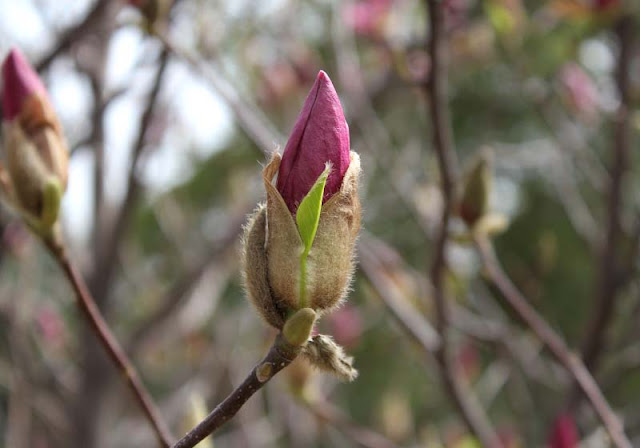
203, 121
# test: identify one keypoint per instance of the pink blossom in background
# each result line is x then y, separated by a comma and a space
50, 325
564, 433
579, 89
600, 5
15, 239
468, 360
456, 12
346, 325
366, 16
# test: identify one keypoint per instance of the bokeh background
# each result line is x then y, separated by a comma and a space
167, 148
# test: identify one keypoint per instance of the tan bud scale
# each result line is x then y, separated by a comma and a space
36, 152
272, 248
322, 352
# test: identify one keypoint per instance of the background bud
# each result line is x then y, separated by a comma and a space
35, 149
477, 189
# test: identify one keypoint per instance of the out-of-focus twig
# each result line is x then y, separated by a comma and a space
101, 329
436, 90
73, 34
609, 274
107, 245
363, 436
280, 355
363, 114
249, 117
552, 341
180, 290
410, 321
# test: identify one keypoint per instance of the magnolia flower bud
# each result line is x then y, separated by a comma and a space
320, 135
298, 249
35, 149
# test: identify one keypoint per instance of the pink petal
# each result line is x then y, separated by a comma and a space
564, 433
320, 135
19, 81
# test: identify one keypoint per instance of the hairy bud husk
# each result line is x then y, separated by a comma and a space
272, 247
323, 353
37, 160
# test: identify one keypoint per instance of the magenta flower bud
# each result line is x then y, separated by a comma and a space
35, 150
564, 433
295, 274
320, 135
20, 82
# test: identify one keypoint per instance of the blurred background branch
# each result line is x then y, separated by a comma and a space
170, 124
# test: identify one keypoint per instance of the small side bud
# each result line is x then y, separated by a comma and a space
298, 327
154, 12
322, 352
477, 189
264, 372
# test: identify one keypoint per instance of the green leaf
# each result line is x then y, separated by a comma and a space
307, 218
51, 198
308, 214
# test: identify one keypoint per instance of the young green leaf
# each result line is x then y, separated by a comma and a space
308, 214
307, 218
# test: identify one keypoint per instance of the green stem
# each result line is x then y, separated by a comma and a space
303, 279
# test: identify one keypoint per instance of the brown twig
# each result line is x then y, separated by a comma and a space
183, 286
411, 322
436, 89
608, 280
107, 246
250, 118
280, 355
101, 329
554, 343
363, 436
73, 34
609, 268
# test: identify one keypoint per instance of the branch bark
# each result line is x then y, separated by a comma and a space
609, 259
436, 89
75, 33
280, 355
363, 436
100, 327
554, 343
181, 289
107, 246
250, 118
